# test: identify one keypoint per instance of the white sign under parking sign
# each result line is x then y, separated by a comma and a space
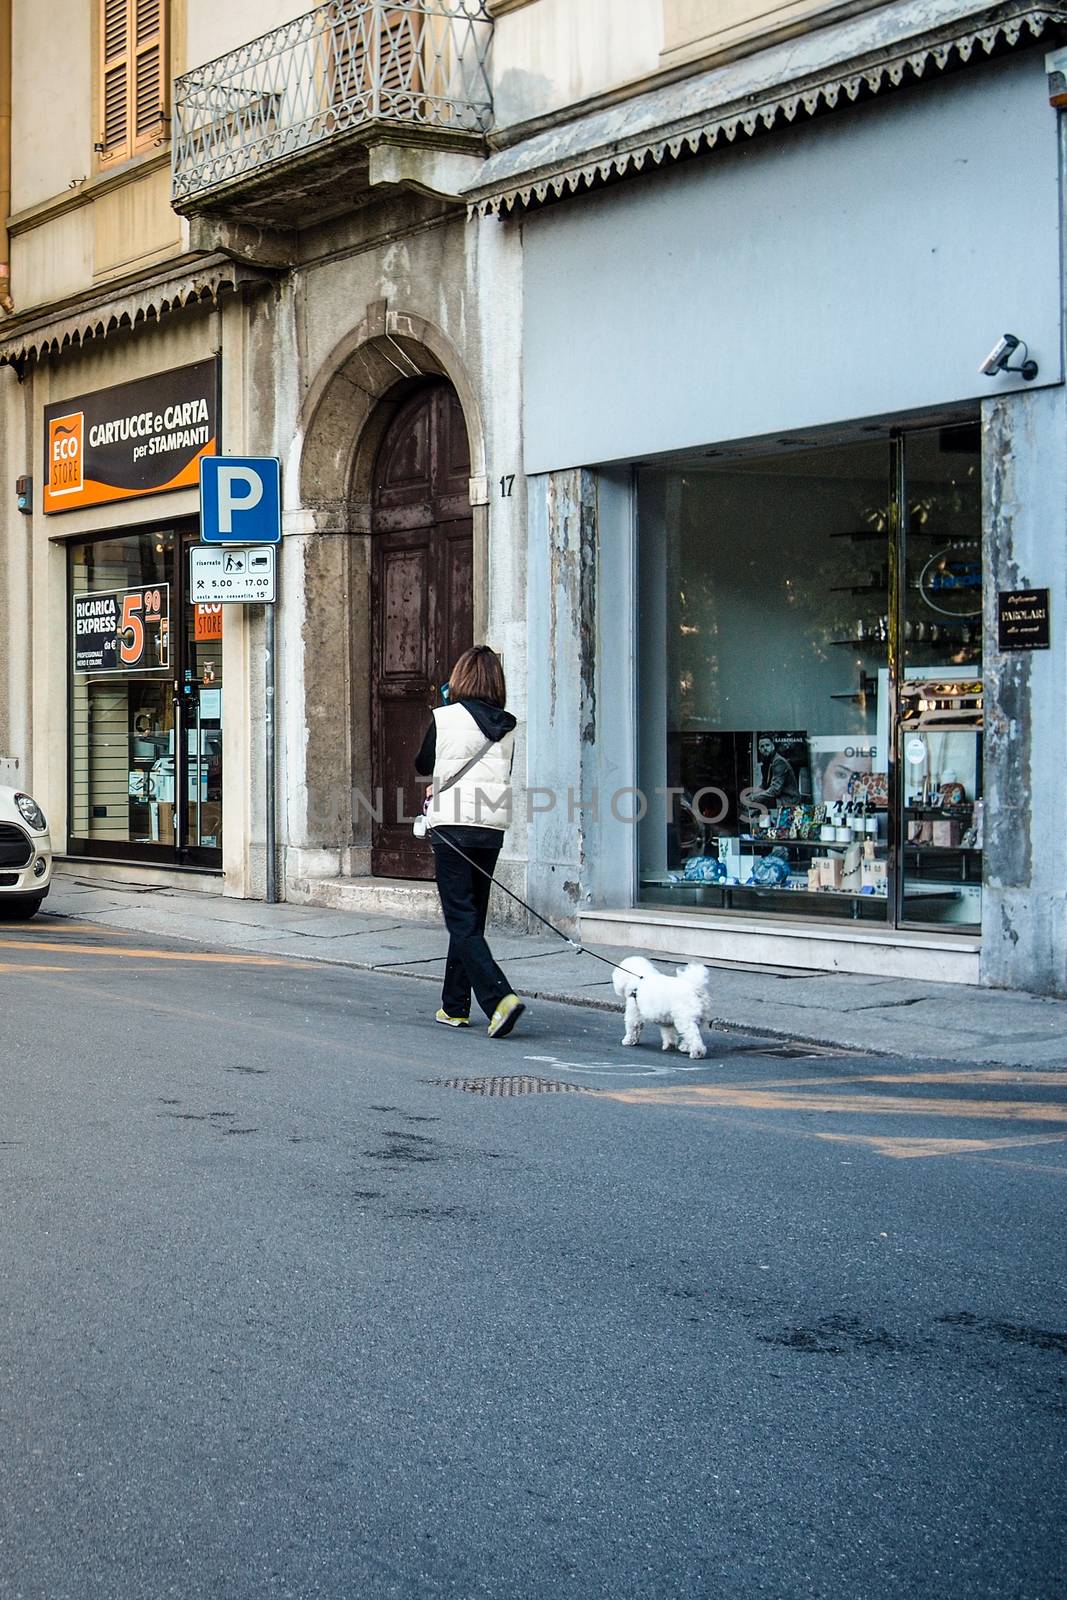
225, 575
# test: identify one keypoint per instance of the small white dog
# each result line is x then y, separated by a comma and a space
679, 1003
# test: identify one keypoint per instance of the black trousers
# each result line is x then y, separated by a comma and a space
464, 895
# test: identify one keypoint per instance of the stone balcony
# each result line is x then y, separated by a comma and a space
299, 124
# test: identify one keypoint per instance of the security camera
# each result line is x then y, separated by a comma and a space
999, 359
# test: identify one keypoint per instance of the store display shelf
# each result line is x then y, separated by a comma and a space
941, 850
821, 845
912, 588
944, 641
762, 891
938, 536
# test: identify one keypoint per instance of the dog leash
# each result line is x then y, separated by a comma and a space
580, 949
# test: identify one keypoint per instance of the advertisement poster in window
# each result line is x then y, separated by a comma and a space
781, 773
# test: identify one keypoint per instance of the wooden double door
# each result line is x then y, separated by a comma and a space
422, 605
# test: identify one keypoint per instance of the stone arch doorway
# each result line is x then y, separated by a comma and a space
422, 602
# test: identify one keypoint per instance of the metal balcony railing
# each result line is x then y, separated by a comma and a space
416, 63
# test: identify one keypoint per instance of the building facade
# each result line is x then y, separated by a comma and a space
243, 234
795, 502
639, 337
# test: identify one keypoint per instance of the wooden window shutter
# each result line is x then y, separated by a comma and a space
115, 75
399, 50
389, 41
132, 77
149, 72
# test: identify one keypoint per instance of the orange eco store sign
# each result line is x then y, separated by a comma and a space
207, 623
130, 440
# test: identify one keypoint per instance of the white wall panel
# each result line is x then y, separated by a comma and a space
860, 267
213, 29
52, 118
560, 52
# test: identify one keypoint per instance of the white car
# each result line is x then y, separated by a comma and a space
25, 854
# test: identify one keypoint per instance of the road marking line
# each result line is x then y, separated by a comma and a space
904, 1149
33, 966
127, 954
611, 1070
964, 1077
719, 1096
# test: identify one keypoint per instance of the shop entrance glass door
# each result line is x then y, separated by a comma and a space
145, 706
939, 693
201, 707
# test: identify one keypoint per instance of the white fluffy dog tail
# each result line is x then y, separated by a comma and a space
697, 976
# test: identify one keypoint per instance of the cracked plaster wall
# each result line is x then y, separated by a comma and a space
330, 355
581, 725
1024, 908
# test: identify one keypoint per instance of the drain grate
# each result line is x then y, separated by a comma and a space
504, 1088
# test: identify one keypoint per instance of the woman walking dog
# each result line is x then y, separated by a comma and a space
468, 749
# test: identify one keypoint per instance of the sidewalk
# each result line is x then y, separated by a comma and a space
886, 1015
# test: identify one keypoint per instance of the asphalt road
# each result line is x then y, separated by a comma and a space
283, 1312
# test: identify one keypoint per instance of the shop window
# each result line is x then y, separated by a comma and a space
132, 78
145, 703
797, 611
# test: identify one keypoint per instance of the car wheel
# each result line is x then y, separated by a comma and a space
19, 906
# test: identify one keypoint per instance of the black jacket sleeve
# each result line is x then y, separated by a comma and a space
427, 753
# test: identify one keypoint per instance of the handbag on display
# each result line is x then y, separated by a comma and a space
704, 869
420, 826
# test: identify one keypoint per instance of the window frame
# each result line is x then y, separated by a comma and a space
139, 60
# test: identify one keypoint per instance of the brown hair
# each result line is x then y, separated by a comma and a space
478, 675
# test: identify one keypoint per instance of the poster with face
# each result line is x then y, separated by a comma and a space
840, 763
781, 773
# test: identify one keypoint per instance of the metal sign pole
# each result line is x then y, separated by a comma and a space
241, 504
268, 724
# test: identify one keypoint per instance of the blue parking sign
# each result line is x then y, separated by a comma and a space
240, 500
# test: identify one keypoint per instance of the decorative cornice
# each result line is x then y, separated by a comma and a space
699, 113
84, 193
98, 313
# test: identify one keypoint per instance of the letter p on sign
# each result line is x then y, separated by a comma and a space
240, 500
231, 495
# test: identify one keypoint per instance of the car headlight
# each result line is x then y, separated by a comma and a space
31, 812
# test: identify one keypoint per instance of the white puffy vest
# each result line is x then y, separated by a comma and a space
482, 797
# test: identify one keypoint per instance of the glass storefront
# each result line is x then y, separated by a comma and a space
810, 681
145, 703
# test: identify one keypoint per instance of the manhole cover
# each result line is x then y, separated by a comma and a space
499, 1088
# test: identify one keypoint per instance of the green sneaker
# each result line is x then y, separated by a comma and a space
452, 1022
505, 1016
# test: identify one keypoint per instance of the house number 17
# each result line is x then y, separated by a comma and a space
507, 483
